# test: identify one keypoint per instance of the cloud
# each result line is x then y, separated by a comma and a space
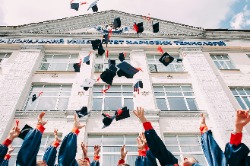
241, 20
205, 13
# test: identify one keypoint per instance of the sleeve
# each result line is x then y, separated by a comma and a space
140, 161
236, 152
67, 151
121, 161
50, 156
3, 151
95, 163
212, 151
30, 147
5, 163
157, 147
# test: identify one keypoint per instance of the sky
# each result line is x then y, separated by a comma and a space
208, 14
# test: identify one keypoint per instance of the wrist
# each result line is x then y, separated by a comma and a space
143, 119
238, 129
10, 137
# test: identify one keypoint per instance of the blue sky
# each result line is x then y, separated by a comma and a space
212, 14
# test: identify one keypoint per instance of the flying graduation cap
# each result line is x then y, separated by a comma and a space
75, 6
87, 59
34, 97
117, 23
122, 114
94, 6
95, 44
112, 66
25, 130
88, 83
137, 86
125, 69
77, 66
82, 112
156, 27
165, 59
108, 76
101, 51
107, 120
138, 27
122, 56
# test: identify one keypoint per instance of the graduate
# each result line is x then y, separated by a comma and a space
15, 131
121, 162
30, 147
236, 153
84, 161
145, 156
158, 148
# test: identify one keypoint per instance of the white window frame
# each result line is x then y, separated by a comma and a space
70, 59
4, 55
240, 97
43, 89
181, 154
118, 146
153, 61
165, 96
223, 61
101, 62
97, 90
17, 143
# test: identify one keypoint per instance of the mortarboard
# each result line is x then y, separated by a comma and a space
105, 39
77, 67
122, 114
166, 59
111, 62
88, 83
112, 66
156, 27
86, 60
117, 22
179, 60
139, 27
137, 86
74, 6
122, 56
108, 76
95, 44
24, 131
107, 120
126, 70
101, 51
93, 6
34, 97
83, 112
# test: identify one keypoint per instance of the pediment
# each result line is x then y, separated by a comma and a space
100, 22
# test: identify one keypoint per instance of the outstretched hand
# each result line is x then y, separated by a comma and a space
77, 123
40, 119
10, 149
140, 114
56, 135
14, 132
242, 119
84, 149
97, 149
123, 152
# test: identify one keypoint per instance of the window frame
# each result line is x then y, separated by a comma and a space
220, 63
247, 95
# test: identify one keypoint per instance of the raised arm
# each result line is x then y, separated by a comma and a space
67, 151
30, 147
95, 162
211, 149
154, 142
123, 155
235, 151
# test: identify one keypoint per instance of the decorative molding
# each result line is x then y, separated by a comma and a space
32, 47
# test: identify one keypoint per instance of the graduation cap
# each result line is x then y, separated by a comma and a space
107, 120
34, 97
94, 6
112, 66
75, 6
111, 62
108, 76
86, 60
122, 114
88, 83
156, 27
137, 86
166, 59
101, 51
117, 22
24, 131
122, 56
139, 27
126, 70
95, 44
77, 67
82, 112
105, 38
179, 60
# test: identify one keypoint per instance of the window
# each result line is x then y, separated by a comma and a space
47, 140
111, 145
222, 61
58, 62
3, 56
116, 97
156, 66
175, 97
248, 55
101, 62
54, 97
185, 145
242, 95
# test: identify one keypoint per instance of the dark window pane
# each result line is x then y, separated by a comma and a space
247, 101
191, 104
111, 149
47, 103
97, 104
172, 88
241, 103
177, 103
161, 104
112, 103
113, 140
158, 89
44, 66
173, 148
94, 140
63, 103
152, 68
129, 103
234, 91
131, 140
110, 159
186, 88
174, 94
188, 140
159, 94
171, 140
58, 66
191, 149
247, 91
241, 91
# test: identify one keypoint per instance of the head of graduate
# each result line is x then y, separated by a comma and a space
189, 161
83, 162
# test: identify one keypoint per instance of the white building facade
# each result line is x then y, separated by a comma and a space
212, 78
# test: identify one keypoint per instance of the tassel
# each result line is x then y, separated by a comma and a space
17, 122
83, 3
105, 90
107, 53
40, 94
119, 112
135, 27
160, 49
98, 78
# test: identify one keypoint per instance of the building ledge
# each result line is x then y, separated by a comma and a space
229, 70
53, 72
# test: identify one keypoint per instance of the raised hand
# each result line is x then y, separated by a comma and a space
140, 144
14, 132
96, 150
40, 119
123, 152
140, 114
77, 123
56, 135
84, 150
10, 149
242, 118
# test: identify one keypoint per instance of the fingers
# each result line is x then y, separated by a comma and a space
122, 149
41, 115
75, 117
